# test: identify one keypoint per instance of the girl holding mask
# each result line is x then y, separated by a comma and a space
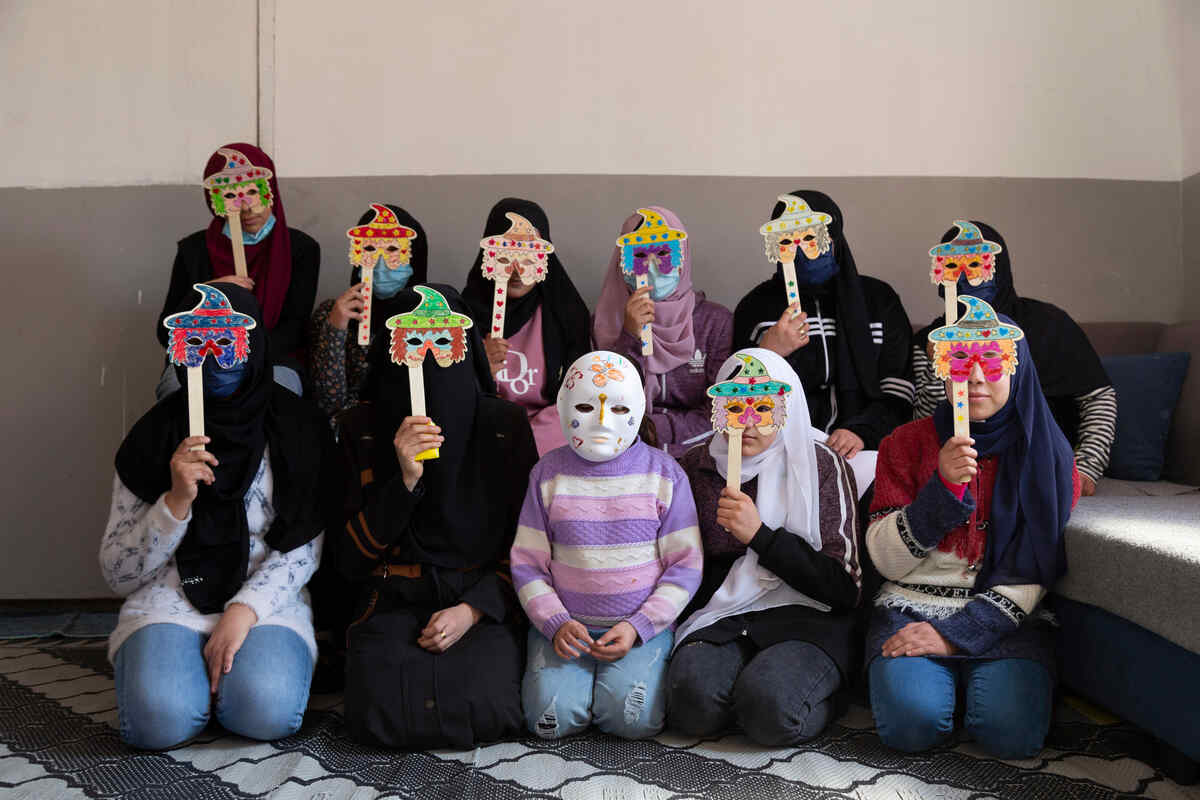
691, 335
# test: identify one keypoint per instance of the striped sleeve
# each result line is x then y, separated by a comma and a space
530, 560
838, 493
1097, 430
930, 390
681, 555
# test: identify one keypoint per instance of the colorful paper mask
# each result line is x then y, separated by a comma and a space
238, 185
979, 337
431, 327
750, 398
383, 237
969, 253
799, 228
653, 244
601, 404
520, 248
212, 328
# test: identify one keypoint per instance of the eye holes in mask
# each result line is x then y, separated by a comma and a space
809, 237
224, 341
442, 341
414, 341
620, 409
230, 195
195, 341
786, 242
763, 408
584, 408
735, 408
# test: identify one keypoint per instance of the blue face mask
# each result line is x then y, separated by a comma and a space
253, 238
220, 382
985, 291
388, 282
661, 286
818, 271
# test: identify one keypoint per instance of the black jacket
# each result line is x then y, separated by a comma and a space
870, 412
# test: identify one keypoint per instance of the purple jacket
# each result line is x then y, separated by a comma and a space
682, 411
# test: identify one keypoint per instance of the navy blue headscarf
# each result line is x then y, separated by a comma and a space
1034, 489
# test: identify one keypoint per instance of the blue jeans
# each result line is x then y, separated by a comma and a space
626, 698
163, 697
1008, 703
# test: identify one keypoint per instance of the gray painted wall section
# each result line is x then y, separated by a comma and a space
89, 268
1190, 191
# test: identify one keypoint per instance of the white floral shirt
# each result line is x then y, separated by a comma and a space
137, 558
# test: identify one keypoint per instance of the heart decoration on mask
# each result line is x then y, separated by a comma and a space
520, 250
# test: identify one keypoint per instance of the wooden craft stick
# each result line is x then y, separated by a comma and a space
195, 382
364, 324
416, 390
789, 284
733, 471
239, 248
499, 301
647, 341
950, 290
960, 403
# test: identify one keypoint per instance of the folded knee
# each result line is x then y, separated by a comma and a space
693, 710
262, 709
163, 722
775, 716
634, 715
553, 718
1007, 732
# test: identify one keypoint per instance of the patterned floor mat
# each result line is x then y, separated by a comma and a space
57, 739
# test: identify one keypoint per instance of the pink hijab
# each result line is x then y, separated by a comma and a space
674, 341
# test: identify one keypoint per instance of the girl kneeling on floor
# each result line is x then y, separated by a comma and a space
768, 639
968, 533
212, 549
607, 554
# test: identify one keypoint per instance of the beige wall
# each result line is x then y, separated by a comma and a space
1189, 90
118, 93
1040, 88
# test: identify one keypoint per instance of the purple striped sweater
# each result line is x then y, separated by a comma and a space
602, 543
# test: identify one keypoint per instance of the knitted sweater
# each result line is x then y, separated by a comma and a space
137, 558
606, 542
928, 545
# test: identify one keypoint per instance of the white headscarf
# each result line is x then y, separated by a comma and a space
787, 498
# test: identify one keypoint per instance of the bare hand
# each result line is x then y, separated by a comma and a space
414, 436
1087, 486
845, 443
447, 626
188, 468
788, 334
639, 309
956, 460
918, 639
226, 640
571, 639
246, 282
616, 642
497, 352
737, 514
348, 306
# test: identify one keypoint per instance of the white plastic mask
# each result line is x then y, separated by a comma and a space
601, 405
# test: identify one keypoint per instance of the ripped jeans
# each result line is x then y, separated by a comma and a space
626, 698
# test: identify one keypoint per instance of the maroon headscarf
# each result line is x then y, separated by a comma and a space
269, 262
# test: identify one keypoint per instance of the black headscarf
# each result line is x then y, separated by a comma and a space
1067, 364
566, 331
213, 557
452, 528
382, 308
856, 368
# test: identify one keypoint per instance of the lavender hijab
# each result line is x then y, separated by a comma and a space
674, 341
